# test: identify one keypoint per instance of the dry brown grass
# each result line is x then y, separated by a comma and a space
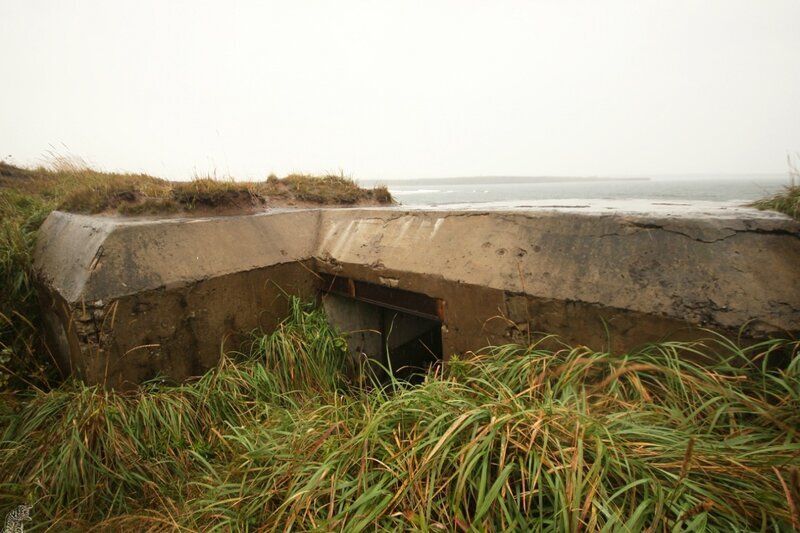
77, 188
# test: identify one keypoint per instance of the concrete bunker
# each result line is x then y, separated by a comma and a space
390, 329
130, 299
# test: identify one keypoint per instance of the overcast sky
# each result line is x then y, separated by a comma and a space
388, 90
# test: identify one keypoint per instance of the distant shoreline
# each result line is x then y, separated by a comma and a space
474, 180
493, 180
668, 188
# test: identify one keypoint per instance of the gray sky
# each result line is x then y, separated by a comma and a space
388, 90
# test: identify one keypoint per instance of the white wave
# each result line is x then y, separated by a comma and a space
416, 191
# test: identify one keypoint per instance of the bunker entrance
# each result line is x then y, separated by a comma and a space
390, 329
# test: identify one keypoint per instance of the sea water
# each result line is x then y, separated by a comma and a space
742, 188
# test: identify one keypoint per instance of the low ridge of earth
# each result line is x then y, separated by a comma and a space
82, 190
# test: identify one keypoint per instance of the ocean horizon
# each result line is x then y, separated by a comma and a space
743, 188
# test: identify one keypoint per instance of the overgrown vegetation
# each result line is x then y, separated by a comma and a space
512, 438
786, 202
28, 195
21, 350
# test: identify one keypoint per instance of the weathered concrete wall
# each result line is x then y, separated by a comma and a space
361, 324
719, 272
137, 297
504, 274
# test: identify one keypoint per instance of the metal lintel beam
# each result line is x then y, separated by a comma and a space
400, 300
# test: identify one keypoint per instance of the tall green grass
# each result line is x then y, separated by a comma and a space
786, 202
511, 438
21, 350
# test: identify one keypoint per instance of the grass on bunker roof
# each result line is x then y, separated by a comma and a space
514, 438
77, 188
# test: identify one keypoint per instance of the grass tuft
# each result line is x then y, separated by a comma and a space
786, 202
333, 189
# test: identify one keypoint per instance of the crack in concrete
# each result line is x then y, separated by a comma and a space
733, 231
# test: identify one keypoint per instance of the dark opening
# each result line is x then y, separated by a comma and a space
390, 328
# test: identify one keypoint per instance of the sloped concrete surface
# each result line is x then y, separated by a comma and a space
138, 297
92, 257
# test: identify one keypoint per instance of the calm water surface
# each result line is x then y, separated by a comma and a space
744, 188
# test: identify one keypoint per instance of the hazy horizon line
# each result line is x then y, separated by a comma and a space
564, 178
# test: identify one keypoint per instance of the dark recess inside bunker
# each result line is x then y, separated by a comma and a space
388, 327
